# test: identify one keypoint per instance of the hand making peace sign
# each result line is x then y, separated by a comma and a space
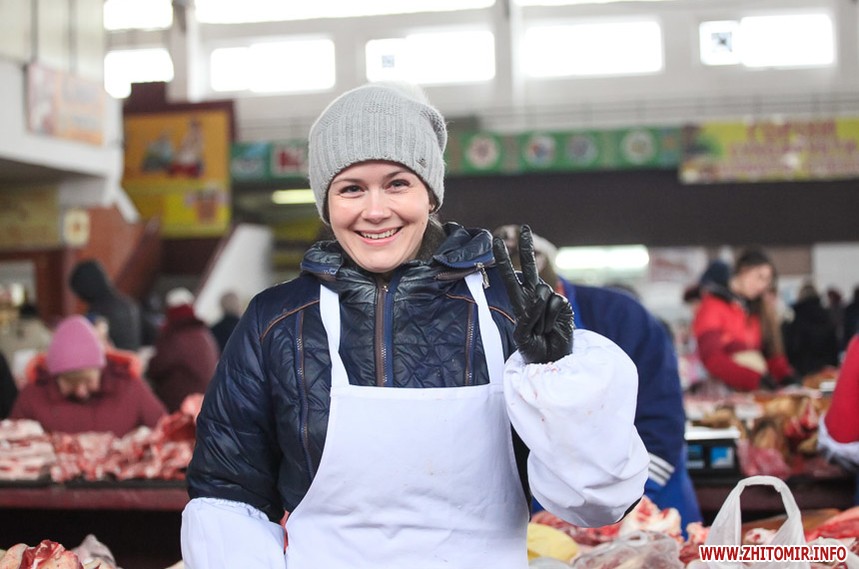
544, 319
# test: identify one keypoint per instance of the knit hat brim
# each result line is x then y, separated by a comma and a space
377, 122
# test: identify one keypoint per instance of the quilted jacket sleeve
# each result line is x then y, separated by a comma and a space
236, 457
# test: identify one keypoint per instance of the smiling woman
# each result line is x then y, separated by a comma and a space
393, 381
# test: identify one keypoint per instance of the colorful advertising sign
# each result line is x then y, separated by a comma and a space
266, 161
492, 153
177, 168
65, 106
765, 151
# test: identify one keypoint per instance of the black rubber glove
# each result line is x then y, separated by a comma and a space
544, 319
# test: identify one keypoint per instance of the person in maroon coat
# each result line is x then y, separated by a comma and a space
186, 352
79, 390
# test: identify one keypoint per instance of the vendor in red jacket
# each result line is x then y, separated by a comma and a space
838, 438
79, 390
729, 327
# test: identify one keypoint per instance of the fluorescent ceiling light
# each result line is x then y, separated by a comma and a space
616, 258
293, 197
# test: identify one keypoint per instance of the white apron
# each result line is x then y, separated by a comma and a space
413, 478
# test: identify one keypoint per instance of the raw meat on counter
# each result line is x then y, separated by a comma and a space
46, 555
643, 538
28, 453
843, 526
645, 516
779, 438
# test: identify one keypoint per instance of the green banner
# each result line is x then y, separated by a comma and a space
492, 153
268, 161
580, 150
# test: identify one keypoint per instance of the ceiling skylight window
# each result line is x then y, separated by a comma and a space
124, 67
433, 58
606, 48
137, 14
602, 264
787, 40
795, 40
269, 67
232, 12
229, 69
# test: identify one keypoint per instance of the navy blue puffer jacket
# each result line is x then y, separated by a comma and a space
262, 428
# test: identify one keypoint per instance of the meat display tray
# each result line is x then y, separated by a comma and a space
106, 497
40, 482
131, 483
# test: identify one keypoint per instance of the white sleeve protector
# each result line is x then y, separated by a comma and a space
222, 534
845, 454
587, 463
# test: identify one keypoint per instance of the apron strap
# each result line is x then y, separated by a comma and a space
329, 308
492, 347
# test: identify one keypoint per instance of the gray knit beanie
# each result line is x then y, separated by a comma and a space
379, 121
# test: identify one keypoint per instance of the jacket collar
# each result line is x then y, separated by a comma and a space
461, 250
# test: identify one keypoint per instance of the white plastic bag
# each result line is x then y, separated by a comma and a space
727, 527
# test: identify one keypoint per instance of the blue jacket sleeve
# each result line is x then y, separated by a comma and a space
236, 455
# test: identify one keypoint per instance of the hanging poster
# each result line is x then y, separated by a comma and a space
764, 151
268, 161
177, 168
64, 105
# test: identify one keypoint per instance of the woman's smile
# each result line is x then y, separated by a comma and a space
378, 236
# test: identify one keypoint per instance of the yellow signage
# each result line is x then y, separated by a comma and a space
177, 168
765, 151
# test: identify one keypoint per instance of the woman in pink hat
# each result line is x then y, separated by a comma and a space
80, 391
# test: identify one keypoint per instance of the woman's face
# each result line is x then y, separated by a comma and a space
752, 282
80, 384
378, 212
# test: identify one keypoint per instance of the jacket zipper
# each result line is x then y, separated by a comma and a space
381, 348
304, 413
482, 269
469, 347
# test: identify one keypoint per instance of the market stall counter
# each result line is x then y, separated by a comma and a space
761, 502
140, 523
763, 433
156, 497
128, 492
